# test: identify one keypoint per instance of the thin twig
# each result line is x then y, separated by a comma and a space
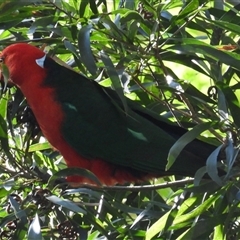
165, 98
141, 188
181, 27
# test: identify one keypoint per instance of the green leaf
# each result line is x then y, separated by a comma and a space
34, 230
131, 15
226, 26
184, 140
163, 223
21, 214
83, 8
212, 166
197, 211
190, 9
41, 22
232, 101
193, 46
70, 47
113, 75
39, 147
85, 49
201, 229
66, 204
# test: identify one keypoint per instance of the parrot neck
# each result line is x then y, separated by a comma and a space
41, 98
44, 106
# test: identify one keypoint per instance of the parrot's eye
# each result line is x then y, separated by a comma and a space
1, 59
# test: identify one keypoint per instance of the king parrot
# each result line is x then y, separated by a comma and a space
88, 125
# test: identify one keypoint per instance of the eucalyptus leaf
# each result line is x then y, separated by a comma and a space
115, 78
212, 166
34, 230
183, 141
66, 204
85, 49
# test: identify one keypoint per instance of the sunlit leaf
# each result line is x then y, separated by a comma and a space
34, 231
66, 204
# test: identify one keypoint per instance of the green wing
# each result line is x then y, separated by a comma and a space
97, 127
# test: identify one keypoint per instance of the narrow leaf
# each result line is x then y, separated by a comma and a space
113, 75
39, 146
66, 204
85, 49
212, 166
159, 225
34, 231
183, 141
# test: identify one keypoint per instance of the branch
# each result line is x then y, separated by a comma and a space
140, 188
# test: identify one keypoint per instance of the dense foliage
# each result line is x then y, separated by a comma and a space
178, 58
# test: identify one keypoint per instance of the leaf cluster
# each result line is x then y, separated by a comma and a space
180, 59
